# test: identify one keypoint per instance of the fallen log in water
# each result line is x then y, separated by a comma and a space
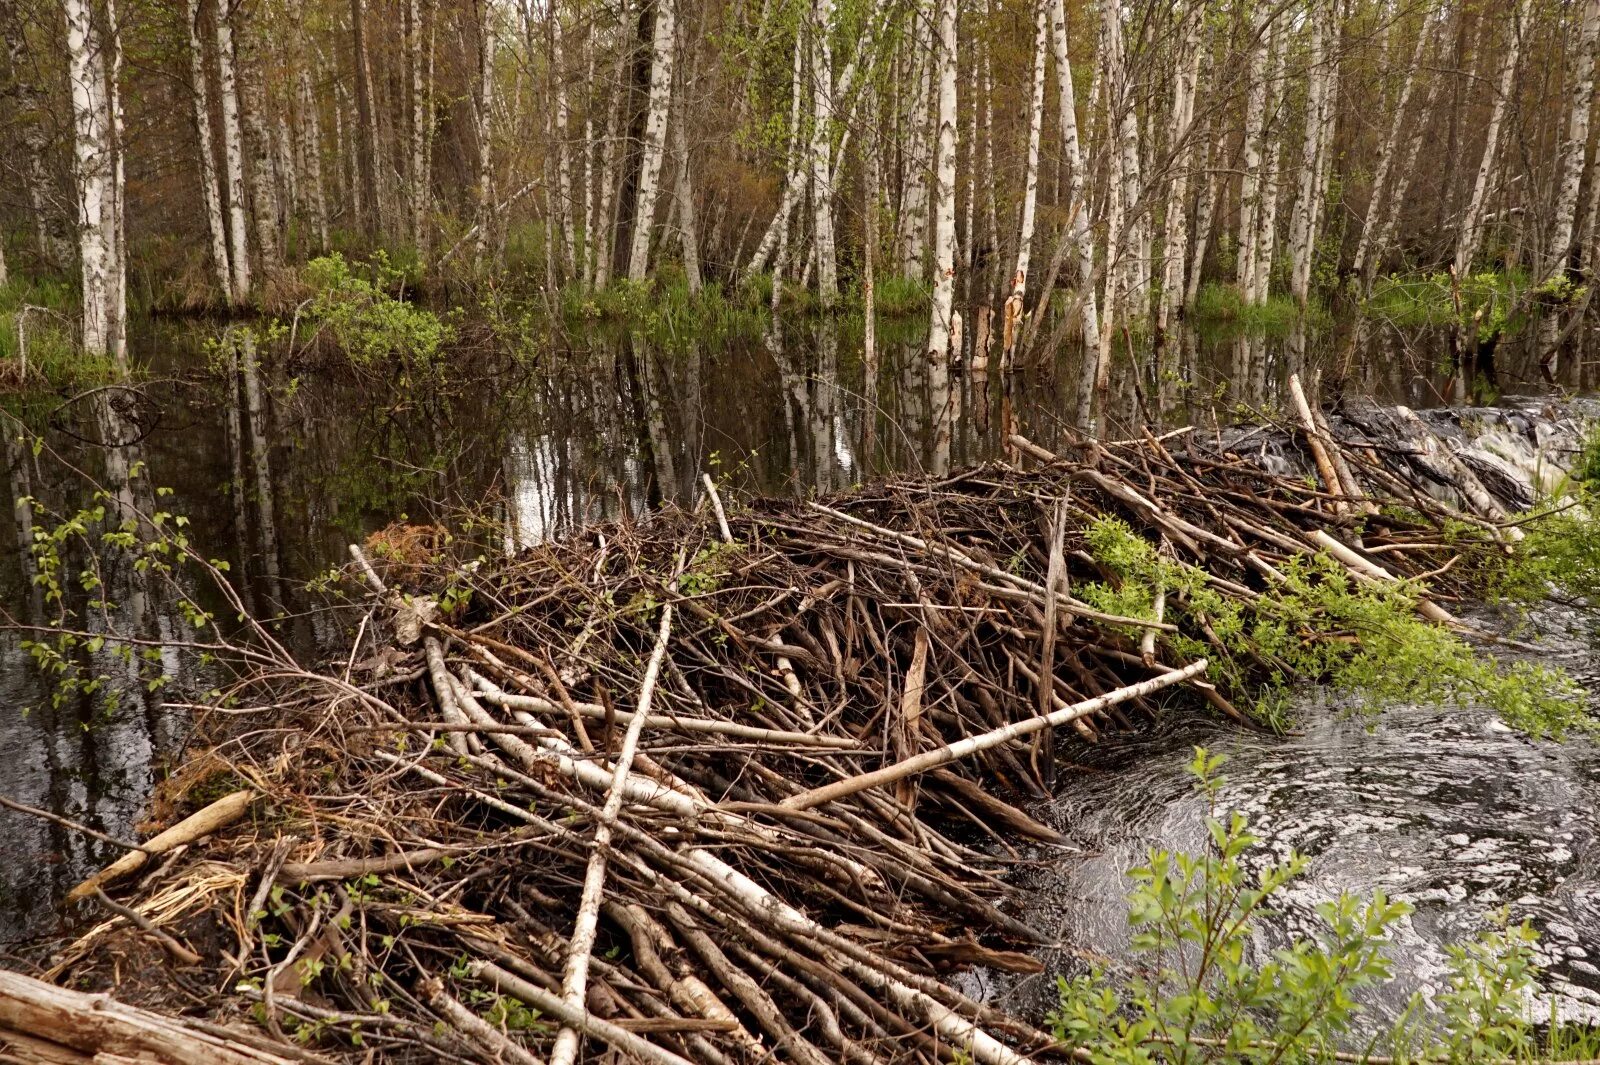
720, 786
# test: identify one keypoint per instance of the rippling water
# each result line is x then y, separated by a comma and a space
1447, 809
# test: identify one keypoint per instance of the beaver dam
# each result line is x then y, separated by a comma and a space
749, 782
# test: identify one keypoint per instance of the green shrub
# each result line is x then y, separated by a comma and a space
1319, 624
1204, 993
370, 325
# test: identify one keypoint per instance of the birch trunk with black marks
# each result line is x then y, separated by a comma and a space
1470, 233
664, 47
1185, 149
1012, 324
1366, 246
1078, 230
1254, 129
365, 140
210, 187
821, 153
94, 156
484, 126
233, 159
944, 198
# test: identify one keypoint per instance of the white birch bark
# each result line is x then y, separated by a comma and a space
1579, 107
917, 157
1365, 245
264, 196
1184, 149
418, 159
944, 200
1096, 369
312, 184
1303, 228
611, 162
821, 153
485, 129
584, 267
210, 191
1470, 234
233, 156
1272, 150
563, 116
1030, 188
664, 47
793, 179
1250, 183
683, 199
1078, 230
96, 175
1203, 211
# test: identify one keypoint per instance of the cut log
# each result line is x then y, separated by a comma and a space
38, 1020
225, 811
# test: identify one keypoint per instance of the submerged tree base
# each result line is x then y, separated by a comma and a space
749, 778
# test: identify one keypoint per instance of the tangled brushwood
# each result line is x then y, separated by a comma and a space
747, 781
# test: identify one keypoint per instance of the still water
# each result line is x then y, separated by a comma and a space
543, 435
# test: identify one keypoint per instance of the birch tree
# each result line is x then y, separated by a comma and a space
1366, 246
94, 154
1579, 107
821, 153
1470, 232
944, 196
1078, 230
210, 188
664, 46
1030, 188
233, 154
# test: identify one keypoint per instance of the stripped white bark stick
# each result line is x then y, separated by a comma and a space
575, 979
976, 744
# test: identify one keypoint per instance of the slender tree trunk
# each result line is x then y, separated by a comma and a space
1272, 151
264, 195
1576, 145
1303, 229
1470, 233
366, 147
233, 155
793, 181
683, 196
96, 168
944, 198
611, 162
421, 58
485, 128
316, 192
1078, 206
869, 328
210, 190
917, 155
1203, 211
663, 55
1184, 149
821, 153
1365, 245
1030, 188
563, 116
1254, 127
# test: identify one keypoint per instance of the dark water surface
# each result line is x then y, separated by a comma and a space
538, 440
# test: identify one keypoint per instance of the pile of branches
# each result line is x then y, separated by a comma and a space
733, 784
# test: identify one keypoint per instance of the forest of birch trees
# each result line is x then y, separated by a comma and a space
1104, 160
